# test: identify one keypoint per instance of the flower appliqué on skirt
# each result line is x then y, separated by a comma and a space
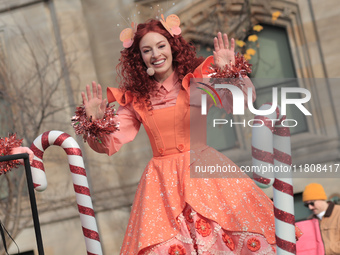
202, 236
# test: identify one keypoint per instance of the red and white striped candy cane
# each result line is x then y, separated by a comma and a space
81, 187
271, 152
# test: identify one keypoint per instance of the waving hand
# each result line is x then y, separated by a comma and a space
94, 103
224, 52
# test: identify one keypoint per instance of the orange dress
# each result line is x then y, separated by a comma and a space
226, 207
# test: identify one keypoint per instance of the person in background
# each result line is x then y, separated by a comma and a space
328, 215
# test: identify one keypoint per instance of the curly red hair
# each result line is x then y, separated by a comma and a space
132, 70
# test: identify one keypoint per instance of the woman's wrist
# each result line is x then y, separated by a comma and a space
238, 69
89, 127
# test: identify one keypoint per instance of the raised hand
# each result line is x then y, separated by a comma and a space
224, 52
94, 103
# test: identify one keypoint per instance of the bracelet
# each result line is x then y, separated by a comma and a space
233, 71
89, 128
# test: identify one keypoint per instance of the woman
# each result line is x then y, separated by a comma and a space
173, 213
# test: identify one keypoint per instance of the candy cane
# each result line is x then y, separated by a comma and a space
271, 151
76, 163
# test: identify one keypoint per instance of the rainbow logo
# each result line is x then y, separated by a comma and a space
209, 93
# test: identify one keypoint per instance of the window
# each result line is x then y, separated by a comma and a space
301, 212
273, 67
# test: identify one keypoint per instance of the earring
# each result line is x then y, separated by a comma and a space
150, 71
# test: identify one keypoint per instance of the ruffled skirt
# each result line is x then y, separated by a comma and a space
199, 235
173, 213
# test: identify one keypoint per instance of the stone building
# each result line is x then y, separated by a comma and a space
301, 44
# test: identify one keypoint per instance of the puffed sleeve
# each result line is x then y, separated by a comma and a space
129, 124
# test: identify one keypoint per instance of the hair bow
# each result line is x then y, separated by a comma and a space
126, 36
171, 24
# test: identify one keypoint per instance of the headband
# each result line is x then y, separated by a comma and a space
171, 24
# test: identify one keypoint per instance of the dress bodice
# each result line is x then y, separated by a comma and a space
169, 128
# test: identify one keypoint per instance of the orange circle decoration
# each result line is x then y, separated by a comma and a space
203, 227
253, 244
177, 249
228, 241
